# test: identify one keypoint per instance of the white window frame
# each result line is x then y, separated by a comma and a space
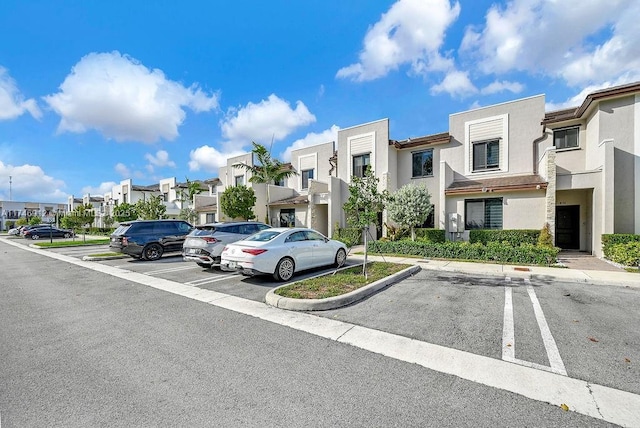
566, 128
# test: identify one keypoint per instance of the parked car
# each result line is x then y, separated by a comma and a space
46, 232
282, 252
14, 231
149, 239
205, 243
24, 228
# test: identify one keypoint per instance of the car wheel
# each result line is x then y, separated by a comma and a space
67, 235
34, 237
284, 269
341, 257
152, 252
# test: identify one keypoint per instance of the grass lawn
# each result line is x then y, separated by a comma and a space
72, 243
342, 282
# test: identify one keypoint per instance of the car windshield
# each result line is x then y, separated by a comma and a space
264, 236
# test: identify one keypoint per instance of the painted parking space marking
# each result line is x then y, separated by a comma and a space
173, 269
203, 281
508, 334
597, 401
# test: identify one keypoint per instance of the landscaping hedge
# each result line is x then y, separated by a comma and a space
430, 235
348, 235
493, 251
514, 237
610, 240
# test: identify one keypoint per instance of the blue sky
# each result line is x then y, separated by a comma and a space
95, 92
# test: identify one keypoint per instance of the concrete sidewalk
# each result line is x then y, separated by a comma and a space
617, 277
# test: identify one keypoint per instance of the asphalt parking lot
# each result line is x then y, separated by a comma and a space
173, 268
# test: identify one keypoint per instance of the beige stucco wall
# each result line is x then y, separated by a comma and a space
524, 117
323, 153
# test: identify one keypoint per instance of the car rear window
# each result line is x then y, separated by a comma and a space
121, 229
264, 236
204, 230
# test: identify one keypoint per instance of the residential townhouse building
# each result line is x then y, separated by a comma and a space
514, 166
12, 211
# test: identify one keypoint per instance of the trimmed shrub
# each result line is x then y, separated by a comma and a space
514, 237
545, 239
626, 254
493, 251
430, 235
609, 240
350, 236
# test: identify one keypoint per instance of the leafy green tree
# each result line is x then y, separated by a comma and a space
193, 188
188, 214
267, 171
35, 220
410, 206
108, 221
238, 202
125, 212
364, 203
22, 222
70, 221
151, 208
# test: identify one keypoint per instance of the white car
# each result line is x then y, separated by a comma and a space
282, 252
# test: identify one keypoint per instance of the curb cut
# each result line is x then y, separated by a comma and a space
337, 301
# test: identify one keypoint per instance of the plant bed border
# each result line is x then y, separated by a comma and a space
337, 301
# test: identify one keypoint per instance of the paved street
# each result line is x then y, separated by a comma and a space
85, 348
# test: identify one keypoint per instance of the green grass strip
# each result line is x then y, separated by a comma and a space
78, 243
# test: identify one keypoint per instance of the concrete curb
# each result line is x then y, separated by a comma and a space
337, 301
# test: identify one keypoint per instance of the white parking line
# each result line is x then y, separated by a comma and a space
553, 354
202, 281
173, 269
508, 334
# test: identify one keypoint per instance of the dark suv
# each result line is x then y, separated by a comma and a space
149, 239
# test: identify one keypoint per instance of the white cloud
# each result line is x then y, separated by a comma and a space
270, 119
581, 42
29, 183
161, 159
12, 102
104, 187
123, 170
578, 98
501, 86
411, 32
455, 83
209, 158
311, 139
124, 100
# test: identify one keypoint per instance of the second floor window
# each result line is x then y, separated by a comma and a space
566, 138
422, 164
360, 164
307, 175
239, 180
486, 155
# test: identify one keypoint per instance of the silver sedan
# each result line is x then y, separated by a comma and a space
282, 252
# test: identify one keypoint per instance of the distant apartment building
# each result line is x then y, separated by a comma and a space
12, 211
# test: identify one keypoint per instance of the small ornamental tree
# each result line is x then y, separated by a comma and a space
188, 214
363, 205
108, 221
125, 212
238, 202
35, 220
410, 206
151, 208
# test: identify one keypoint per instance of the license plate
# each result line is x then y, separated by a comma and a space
233, 265
192, 251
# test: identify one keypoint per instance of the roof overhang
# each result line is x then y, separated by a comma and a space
497, 185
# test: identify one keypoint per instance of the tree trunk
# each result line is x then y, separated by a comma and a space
364, 266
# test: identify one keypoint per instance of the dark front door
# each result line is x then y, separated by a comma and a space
568, 227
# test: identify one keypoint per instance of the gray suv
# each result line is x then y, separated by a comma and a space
149, 239
205, 243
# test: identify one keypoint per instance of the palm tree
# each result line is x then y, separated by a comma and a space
268, 171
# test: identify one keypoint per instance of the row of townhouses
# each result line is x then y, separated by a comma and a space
506, 166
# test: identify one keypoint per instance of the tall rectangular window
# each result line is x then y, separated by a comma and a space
566, 138
307, 175
483, 213
239, 180
486, 155
211, 217
422, 163
360, 164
